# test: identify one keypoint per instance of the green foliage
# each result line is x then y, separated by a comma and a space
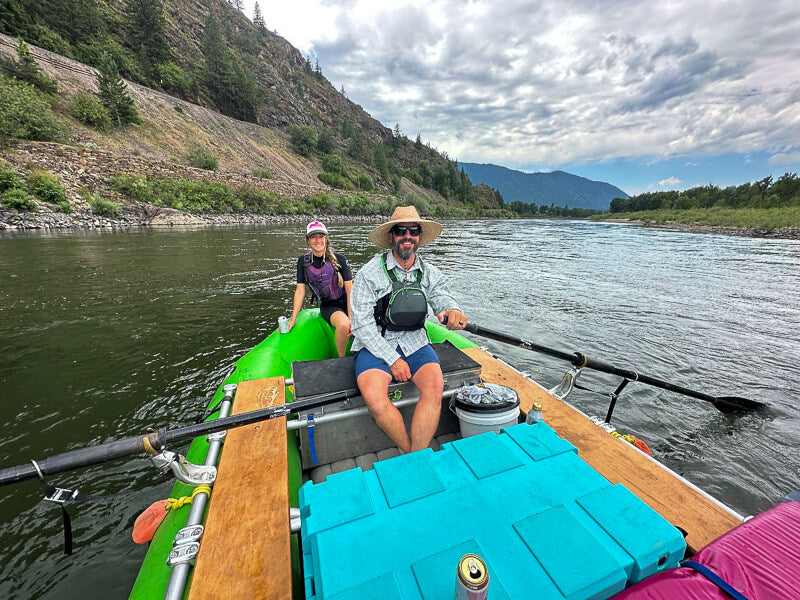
231, 86
525, 209
18, 199
335, 180
364, 182
45, 186
325, 141
331, 163
202, 158
304, 139
323, 202
113, 93
65, 207
25, 113
146, 28
361, 205
765, 193
87, 109
761, 219
176, 81
9, 179
25, 69
100, 206
262, 173
199, 196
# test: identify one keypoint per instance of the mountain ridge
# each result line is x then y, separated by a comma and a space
556, 187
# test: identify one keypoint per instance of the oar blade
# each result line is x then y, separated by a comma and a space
735, 404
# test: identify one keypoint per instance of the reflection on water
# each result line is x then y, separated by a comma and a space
105, 334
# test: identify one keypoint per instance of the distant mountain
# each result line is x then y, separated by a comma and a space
558, 187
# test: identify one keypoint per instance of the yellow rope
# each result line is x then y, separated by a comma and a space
173, 503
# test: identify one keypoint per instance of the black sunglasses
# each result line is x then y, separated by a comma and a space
400, 230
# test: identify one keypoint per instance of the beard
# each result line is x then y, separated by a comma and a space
404, 253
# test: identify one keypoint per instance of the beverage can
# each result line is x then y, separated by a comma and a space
283, 324
472, 578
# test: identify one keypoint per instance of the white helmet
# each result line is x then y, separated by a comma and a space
316, 227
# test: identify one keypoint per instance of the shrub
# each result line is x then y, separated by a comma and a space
46, 187
25, 113
9, 179
335, 180
202, 158
26, 69
304, 139
365, 182
101, 206
258, 200
65, 207
19, 199
323, 202
262, 173
89, 110
361, 205
331, 163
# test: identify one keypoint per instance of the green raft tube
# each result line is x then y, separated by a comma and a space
311, 338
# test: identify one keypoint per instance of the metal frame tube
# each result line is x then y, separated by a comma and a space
180, 573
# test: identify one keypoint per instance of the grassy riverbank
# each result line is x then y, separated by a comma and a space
763, 220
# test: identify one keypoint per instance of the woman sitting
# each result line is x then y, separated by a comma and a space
328, 275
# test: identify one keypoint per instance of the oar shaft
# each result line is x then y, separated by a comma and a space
85, 457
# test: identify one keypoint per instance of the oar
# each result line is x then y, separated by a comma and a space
726, 404
84, 457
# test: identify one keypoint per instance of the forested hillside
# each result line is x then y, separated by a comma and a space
210, 54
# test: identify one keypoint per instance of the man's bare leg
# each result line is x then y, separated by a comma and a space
374, 386
341, 326
430, 383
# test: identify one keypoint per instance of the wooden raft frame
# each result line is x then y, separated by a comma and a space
245, 551
618, 461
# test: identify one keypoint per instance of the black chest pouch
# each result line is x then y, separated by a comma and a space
405, 307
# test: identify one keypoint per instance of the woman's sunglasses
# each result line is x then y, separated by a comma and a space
400, 230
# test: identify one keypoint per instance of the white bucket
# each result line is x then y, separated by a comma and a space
475, 423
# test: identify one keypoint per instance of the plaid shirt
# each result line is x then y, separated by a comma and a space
370, 284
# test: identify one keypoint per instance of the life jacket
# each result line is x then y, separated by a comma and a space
323, 281
405, 307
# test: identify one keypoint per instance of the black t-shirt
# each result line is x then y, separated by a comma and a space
316, 261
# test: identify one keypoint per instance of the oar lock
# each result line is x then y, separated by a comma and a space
184, 471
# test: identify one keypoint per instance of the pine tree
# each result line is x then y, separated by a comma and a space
258, 18
113, 93
418, 142
26, 69
147, 25
318, 70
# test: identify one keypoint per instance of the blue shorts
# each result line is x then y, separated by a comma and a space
364, 360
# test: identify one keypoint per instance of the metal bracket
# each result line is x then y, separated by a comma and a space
188, 535
183, 554
217, 436
229, 388
294, 520
184, 471
61, 495
567, 383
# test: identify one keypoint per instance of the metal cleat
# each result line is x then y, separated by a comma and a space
184, 471
188, 535
217, 437
183, 554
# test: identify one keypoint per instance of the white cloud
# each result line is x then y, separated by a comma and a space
550, 83
670, 182
784, 158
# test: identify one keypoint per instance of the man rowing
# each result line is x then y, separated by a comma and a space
389, 304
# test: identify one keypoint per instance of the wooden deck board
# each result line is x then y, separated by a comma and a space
245, 550
617, 460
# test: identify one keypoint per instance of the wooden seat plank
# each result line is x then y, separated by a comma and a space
245, 550
618, 461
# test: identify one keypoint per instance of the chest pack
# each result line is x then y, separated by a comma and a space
405, 307
323, 281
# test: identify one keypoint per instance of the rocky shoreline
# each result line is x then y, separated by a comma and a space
787, 233
151, 217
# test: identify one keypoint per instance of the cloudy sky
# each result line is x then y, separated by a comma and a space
645, 95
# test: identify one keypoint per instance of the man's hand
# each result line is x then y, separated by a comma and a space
400, 370
453, 318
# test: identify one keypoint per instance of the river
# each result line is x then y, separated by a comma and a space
106, 333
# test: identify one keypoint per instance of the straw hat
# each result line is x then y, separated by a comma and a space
405, 214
